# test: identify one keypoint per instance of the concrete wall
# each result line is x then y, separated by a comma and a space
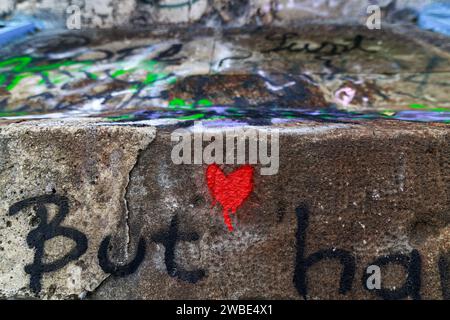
125, 223
108, 13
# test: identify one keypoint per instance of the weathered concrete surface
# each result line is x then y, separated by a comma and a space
394, 72
110, 13
96, 208
371, 188
86, 163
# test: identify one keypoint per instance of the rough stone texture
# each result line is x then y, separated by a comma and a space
372, 188
303, 67
109, 13
373, 185
89, 164
252, 88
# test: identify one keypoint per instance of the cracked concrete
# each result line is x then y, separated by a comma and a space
257, 260
373, 185
103, 169
89, 164
126, 191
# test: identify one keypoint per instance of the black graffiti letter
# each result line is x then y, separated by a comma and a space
412, 265
444, 267
302, 264
166, 55
169, 240
46, 231
120, 271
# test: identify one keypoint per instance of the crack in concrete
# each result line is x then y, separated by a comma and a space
126, 192
140, 152
86, 294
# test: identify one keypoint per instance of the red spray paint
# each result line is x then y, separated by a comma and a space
231, 190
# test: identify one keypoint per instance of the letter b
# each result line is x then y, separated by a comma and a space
302, 264
46, 231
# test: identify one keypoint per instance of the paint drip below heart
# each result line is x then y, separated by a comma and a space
229, 190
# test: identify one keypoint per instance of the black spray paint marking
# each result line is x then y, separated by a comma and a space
49, 230
325, 49
46, 231
412, 265
116, 270
444, 272
324, 52
169, 240
242, 57
423, 83
181, 4
166, 55
302, 264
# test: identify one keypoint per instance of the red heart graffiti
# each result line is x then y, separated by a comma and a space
230, 191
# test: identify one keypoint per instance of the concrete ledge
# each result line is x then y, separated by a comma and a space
125, 222
77, 169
